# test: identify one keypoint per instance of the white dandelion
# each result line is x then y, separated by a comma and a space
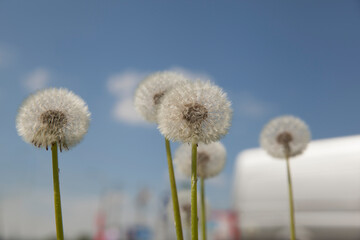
285, 135
211, 159
184, 197
151, 91
195, 112
53, 116
192, 113
147, 99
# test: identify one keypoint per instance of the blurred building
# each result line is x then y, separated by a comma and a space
326, 181
120, 218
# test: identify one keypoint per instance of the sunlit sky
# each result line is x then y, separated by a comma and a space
271, 57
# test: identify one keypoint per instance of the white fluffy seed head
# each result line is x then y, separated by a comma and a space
53, 116
184, 198
151, 91
211, 159
195, 112
285, 135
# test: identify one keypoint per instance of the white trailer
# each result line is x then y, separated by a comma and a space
326, 185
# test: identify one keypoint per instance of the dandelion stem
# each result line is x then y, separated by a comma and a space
291, 201
174, 196
194, 219
57, 200
203, 212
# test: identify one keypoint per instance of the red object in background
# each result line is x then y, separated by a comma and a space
227, 225
233, 222
100, 226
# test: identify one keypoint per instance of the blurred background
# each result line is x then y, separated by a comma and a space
271, 57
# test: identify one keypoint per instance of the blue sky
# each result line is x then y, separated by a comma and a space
271, 57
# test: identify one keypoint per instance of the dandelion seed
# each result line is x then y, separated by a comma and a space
195, 112
53, 116
151, 91
285, 135
211, 159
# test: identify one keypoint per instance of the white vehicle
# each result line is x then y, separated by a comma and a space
326, 185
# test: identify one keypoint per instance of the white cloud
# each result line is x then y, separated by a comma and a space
250, 106
37, 79
124, 110
123, 85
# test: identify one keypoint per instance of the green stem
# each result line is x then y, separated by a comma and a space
203, 211
194, 219
57, 200
174, 196
291, 201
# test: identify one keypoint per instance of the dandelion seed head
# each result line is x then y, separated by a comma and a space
184, 199
211, 159
151, 91
195, 112
284, 138
285, 135
53, 116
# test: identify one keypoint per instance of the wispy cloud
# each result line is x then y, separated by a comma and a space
246, 104
7, 55
122, 86
193, 75
37, 79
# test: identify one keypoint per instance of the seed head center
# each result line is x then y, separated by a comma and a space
187, 210
195, 113
53, 118
203, 158
157, 97
284, 138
